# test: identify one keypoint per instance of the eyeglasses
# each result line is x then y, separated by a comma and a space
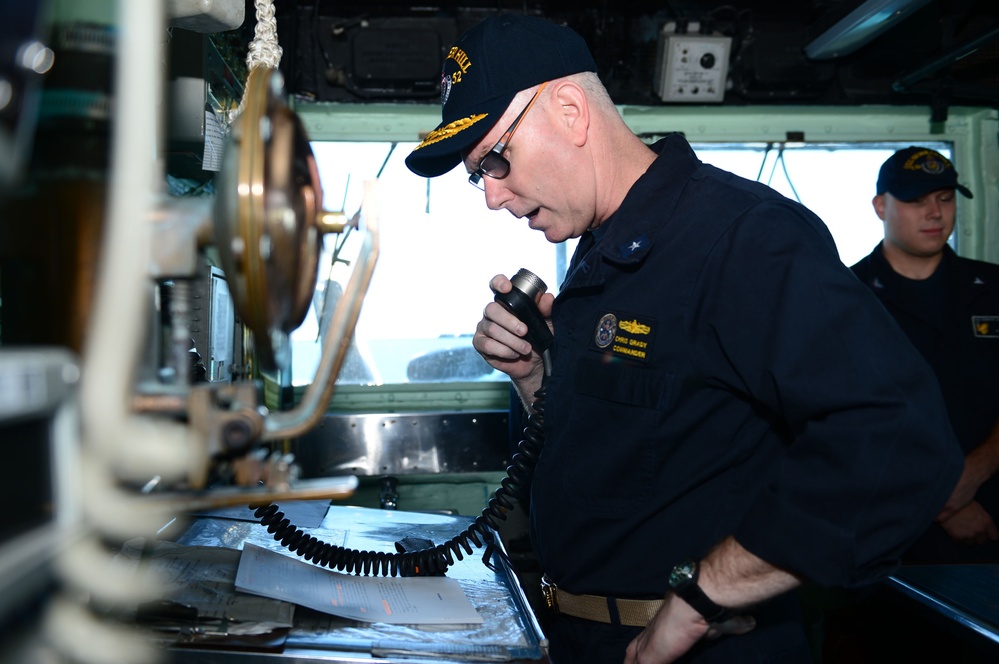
494, 164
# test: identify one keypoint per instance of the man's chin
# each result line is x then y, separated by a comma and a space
554, 236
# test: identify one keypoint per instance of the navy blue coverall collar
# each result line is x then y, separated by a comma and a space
627, 234
962, 273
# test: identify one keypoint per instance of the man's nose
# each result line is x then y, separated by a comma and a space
934, 209
497, 194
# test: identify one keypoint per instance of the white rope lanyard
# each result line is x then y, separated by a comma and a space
264, 50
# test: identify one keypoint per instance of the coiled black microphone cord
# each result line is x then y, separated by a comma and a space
432, 561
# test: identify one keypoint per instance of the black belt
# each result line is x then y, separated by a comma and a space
630, 612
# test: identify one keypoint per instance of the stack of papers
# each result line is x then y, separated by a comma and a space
409, 600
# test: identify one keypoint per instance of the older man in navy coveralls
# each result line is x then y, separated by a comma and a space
728, 410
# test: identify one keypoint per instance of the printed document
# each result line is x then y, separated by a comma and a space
408, 600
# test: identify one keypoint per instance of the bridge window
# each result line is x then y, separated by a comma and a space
440, 245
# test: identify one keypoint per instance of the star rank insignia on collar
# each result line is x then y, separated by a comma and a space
635, 245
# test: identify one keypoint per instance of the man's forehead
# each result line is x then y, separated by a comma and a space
948, 192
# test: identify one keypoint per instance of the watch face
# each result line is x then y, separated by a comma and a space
682, 572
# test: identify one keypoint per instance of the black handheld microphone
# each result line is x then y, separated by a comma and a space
521, 301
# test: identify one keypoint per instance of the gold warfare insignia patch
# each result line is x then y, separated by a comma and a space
449, 130
624, 336
986, 326
634, 327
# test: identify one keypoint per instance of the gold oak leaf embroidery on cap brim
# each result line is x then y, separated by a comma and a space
449, 130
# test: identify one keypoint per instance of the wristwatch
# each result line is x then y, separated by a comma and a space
683, 582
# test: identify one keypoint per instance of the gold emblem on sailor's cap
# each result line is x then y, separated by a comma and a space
449, 130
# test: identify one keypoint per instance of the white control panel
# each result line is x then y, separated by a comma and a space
691, 67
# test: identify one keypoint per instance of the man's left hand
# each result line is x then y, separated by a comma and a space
675, 630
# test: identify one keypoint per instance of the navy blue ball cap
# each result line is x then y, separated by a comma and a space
912, 173
482, 73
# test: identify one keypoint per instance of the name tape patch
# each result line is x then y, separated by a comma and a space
624, 335
986, 326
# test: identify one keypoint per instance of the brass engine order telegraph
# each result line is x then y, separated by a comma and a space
270, 219
268, 226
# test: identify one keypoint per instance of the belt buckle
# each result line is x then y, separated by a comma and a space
548, 590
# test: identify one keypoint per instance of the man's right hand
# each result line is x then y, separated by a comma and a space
499, 339
971, 525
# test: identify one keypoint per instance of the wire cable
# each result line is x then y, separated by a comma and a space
783, 164
432, 561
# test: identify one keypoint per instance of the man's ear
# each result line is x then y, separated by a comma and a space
571, 110
879, 206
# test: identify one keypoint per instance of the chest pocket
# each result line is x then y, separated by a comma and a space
620, 383
614, 447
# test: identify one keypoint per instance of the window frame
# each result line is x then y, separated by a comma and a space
964, 130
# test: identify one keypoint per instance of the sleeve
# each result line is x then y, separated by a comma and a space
871, 456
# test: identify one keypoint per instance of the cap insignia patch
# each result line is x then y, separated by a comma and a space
445, 89
926, 161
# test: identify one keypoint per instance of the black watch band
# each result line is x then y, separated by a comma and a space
683, 582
